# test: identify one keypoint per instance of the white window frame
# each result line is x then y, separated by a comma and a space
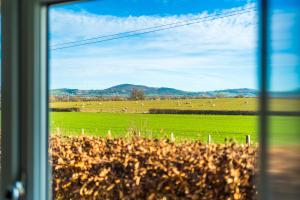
25, 99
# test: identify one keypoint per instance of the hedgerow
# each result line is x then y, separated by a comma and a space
100, 168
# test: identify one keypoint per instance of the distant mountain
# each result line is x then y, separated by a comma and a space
286, 94
124, 90
234, 92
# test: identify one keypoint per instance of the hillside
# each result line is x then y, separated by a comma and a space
124, 90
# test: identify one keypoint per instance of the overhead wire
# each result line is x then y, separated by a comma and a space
156, 29
152, 27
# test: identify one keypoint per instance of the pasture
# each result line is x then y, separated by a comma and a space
242, 104
184, 127
126, 118
190, 127
145, 105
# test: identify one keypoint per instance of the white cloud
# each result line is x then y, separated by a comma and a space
203, 48
236, 31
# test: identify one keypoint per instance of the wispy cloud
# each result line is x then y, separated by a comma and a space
209, 55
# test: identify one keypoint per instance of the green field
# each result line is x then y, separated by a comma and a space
157, 125
123, 118
247, 104
190, 127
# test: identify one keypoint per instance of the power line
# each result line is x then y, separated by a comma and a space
187, 23
141, 33
152, 27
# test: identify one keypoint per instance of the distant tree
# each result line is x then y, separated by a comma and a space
137, 94
221, 95
239, 96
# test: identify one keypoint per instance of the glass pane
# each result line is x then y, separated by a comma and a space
153, 99
284, 91
0, 82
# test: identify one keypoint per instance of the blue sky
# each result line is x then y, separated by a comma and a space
125, 8
205, 56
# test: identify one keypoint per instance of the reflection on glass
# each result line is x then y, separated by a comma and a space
0, 82
285, 93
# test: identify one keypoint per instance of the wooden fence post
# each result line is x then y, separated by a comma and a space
109, 135
172, 137
209, 139
248, 140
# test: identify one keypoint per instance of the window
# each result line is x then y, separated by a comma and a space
0, 86
24, 156
164, 79
24, 152
283, 89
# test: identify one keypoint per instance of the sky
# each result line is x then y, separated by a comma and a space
207, 55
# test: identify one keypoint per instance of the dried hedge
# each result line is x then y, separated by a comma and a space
99, 168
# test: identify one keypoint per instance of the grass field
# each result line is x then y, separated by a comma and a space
184, 127
158, 126
248, 104
122, 118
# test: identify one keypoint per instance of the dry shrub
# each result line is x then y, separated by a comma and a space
99, 168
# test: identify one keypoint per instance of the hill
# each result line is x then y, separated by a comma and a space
124, 90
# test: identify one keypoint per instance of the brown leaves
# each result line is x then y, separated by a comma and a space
99, 168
